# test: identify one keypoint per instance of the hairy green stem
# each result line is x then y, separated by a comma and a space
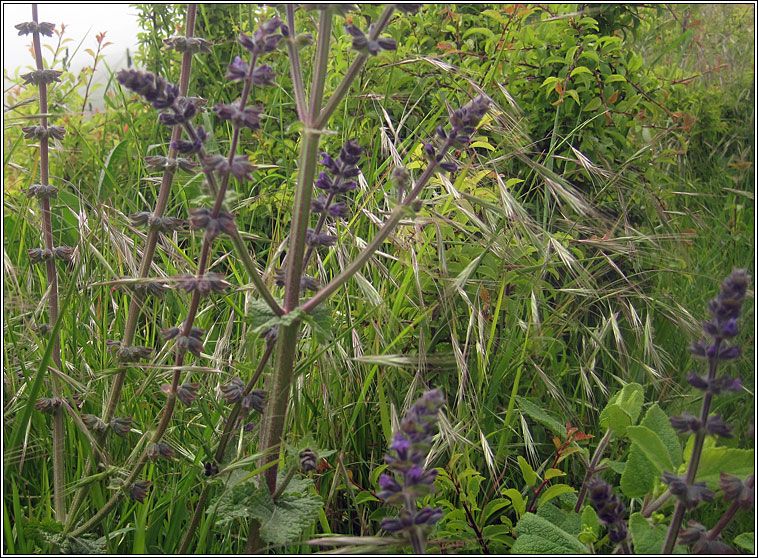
648, 510
272, 426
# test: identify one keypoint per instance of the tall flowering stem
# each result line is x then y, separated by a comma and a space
314, 119
154, 232
725, 311
409, 480
178, 109
44, 192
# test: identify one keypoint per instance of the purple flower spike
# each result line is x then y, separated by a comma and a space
237, 69
408, 479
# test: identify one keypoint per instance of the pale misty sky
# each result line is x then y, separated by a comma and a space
83, 22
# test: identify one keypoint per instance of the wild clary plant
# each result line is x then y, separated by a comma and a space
657, 469
279, 323
409, 479
45, 192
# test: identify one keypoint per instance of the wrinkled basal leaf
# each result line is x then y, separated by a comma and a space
537, 535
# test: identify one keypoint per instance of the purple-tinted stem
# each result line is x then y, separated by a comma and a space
59, 428
697, 450
591, 470
135, 304
295, 67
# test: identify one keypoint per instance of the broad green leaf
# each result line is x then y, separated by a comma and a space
652, 446
639, 474
628, 400
552, 473
593, 105
480, 30
492, 507
284, 521
530, 477
365, 496
590, 525
552, 80
614, 418
658, 421
746, 541
580, 70
554, 491
568, 521
517, 501
647, 538
732, 461
574, 95
540, 415
281, 522
483, 144
613, 78
537, 535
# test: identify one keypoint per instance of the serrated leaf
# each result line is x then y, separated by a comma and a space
321, 323
541, 416
258, 313
554, 491
530, 477
288, 517
652, 446
281, 522
537, 535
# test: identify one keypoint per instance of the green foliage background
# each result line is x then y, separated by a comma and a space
574, 252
